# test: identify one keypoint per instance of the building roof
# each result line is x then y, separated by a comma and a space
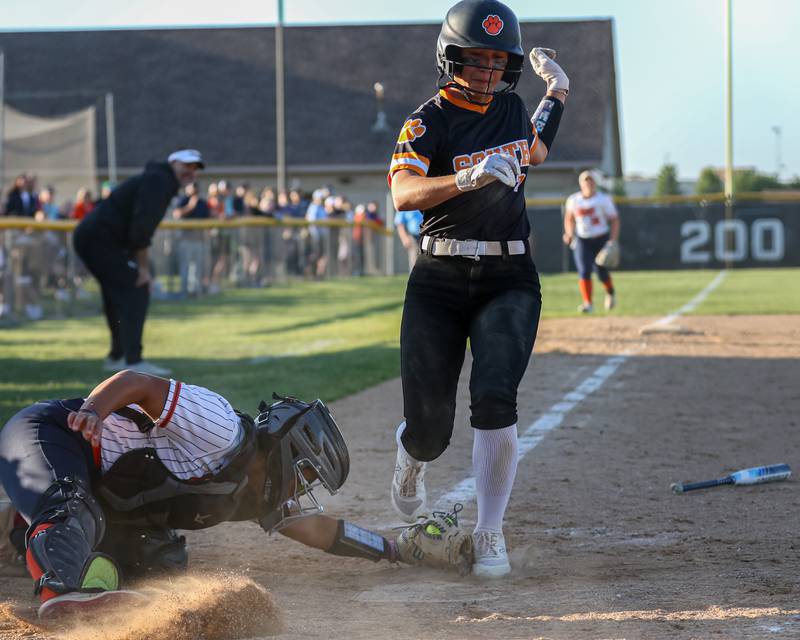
213, 89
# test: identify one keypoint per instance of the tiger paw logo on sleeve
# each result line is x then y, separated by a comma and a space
492, 25
412, 129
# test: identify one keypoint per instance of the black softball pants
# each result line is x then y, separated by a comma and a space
495, 303
124, 304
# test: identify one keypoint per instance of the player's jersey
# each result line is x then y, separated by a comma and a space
195, 436
447, 134
591, 214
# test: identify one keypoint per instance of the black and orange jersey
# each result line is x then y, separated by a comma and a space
447, 134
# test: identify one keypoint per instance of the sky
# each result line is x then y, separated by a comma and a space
670, 62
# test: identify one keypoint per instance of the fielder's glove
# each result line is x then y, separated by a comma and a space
608, 256
437, 541
498, 166
544, 66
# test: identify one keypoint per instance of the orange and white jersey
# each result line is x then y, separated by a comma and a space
592, 215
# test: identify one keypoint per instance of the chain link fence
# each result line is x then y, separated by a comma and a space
41, 276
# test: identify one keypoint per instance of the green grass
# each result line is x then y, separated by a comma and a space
327, 339
651, 293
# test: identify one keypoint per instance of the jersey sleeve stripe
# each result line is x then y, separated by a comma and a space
412, 155
163, 422
417, 166
394, 170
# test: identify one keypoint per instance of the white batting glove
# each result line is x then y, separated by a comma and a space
544, 66
497, 166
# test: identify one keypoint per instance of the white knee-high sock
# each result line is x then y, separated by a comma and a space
494, 464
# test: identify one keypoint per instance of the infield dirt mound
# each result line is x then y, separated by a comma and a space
216, 607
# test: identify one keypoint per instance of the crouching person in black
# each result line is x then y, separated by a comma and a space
113, 241
104, 481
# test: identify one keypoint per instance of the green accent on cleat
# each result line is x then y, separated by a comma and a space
100, 575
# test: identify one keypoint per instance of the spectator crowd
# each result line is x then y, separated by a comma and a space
204, 259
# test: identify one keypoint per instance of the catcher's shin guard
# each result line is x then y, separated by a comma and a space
66, 527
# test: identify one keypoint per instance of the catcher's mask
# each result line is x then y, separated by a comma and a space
304, 449
479, 24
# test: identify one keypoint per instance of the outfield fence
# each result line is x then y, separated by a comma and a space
41, 275
684, 232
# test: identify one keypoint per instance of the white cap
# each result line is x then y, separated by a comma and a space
587, 174
187, 156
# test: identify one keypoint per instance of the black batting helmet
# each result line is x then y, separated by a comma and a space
479, 24
298, 436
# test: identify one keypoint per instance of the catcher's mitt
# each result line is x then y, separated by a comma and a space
437, 541
608, 256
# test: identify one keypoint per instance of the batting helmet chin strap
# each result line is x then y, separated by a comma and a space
479, 24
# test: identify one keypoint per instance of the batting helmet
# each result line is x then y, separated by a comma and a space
479, 24
298, 437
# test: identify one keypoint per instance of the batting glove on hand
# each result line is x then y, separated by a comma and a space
544, 66
497, 166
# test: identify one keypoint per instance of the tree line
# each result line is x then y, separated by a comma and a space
709, 181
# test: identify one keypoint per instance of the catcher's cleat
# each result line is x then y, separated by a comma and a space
585, 307
610, 301
491, 558
76, 604
408, 486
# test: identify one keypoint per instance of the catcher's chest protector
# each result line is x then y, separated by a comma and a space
139, 486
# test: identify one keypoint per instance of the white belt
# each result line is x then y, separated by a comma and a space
471, 248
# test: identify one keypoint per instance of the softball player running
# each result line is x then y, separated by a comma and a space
462, 158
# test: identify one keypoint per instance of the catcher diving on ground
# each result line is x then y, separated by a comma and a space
103, 482
462, 158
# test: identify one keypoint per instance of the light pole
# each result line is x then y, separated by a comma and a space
2, 112
778, 160
728, 100
280, 115
111, 140
380, 121
729, 191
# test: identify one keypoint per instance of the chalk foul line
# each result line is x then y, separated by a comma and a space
464, 491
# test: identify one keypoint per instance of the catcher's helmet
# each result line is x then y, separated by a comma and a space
479, 24
298, 436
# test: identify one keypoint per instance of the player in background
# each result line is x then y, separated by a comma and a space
102, 482
590, 221
462, 158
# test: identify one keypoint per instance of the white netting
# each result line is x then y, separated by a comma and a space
59, 151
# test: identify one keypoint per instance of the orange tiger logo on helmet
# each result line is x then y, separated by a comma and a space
492, 24
412, 130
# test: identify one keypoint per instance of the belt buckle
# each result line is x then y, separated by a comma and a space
468, 253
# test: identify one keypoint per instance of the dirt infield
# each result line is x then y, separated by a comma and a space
600, 547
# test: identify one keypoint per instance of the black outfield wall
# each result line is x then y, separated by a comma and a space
685, 237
